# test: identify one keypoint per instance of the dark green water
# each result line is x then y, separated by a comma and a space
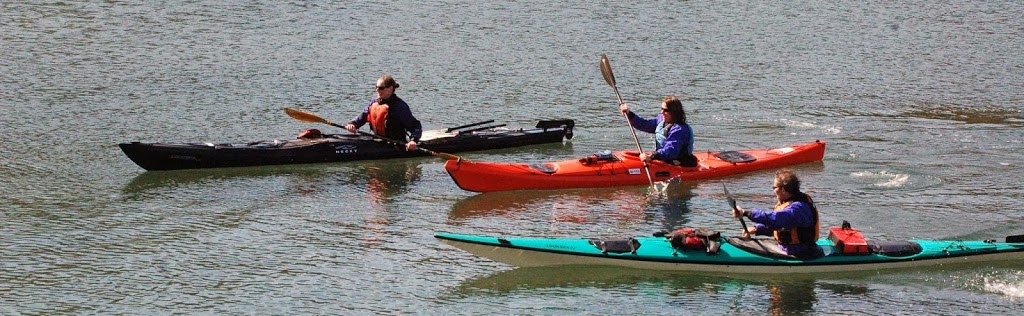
920, 103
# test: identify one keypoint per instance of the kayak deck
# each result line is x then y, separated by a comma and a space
656, 253
622, 168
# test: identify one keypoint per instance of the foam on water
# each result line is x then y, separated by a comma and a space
1013, 289
1009, 283
883, 179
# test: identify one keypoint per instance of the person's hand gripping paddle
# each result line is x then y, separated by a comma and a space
606, 71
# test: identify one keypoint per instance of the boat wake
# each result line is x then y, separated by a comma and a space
883, 179
1004, 279
828, 129
1007, 285
1015, 290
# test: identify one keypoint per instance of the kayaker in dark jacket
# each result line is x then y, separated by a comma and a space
389, 116
794, 223
673, 136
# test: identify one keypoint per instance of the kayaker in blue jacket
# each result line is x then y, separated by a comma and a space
389, 116
673, 136
794, 223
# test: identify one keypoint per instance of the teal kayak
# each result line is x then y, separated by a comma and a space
733, 254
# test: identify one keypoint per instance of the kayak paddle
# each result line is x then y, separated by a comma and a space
732, 204
313, 118
606, 71
450, 129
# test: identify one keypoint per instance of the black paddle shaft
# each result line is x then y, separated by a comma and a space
450, 129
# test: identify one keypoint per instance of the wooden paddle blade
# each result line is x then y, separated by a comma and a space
606, 70
447, 156
306, 116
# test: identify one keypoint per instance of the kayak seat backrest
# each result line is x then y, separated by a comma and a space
768, 247
894, 248
565, 124
616, 245
735, 156
556, 124
548, 168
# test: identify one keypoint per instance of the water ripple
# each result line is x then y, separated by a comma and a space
920, 104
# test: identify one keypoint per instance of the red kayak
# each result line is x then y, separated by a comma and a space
622, 168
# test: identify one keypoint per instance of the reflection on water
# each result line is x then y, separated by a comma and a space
150, 180
384, 183
783, 295
619, 204
388, 180
793, 297
526, 279
749, 294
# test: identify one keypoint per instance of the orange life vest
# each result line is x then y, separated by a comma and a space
799, 235
378, 118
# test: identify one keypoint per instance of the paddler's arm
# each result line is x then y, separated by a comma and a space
758, 216
412, 125
360, 119
638, 122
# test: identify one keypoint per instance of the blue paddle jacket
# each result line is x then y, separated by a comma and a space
398, 111
796, 214
677, 142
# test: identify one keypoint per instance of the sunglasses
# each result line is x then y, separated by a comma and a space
664, 109
382, 87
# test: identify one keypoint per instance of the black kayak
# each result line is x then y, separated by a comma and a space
339, 147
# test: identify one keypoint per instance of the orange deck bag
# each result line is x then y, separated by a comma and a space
848, 240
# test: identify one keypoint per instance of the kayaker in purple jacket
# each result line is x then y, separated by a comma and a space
389, 116
794, 223
672, 134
